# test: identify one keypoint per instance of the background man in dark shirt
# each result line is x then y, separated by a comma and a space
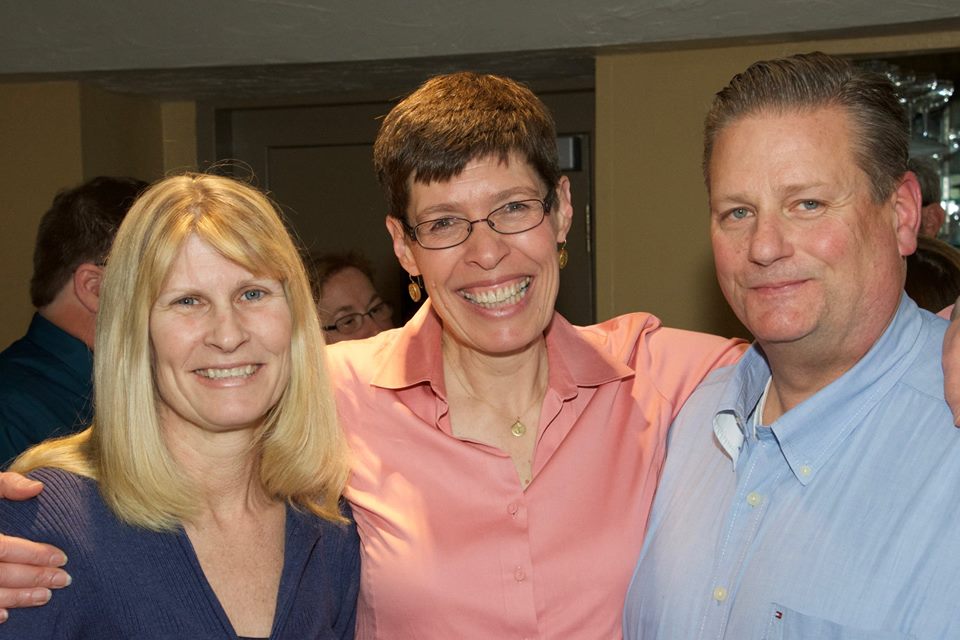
45, 376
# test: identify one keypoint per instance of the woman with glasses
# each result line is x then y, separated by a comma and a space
350, 307
503, 460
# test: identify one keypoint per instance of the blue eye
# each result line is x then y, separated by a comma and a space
739, 213
186, 301
810, 205
254, 294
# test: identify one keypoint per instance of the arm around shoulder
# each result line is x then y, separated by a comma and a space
679, 360
28, 570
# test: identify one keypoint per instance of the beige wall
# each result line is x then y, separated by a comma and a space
653, 247
40, 152
653, 250
58, 134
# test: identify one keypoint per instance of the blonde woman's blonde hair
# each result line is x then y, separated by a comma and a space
301, 451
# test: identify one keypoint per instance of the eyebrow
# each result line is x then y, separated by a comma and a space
349, 308
786, 191
505, 194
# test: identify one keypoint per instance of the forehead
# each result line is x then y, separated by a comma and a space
347, 289
809, 146
199, 263
483, 177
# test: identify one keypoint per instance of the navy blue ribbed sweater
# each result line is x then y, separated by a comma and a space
133, 583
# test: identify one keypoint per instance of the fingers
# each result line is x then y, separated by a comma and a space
18, 598
35, 582
17, 551
18, 578
28, 571
14, 486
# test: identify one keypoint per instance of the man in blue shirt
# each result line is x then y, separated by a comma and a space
46, 376
810, 491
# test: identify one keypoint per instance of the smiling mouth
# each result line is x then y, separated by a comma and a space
500, 296
235, 372
775, 287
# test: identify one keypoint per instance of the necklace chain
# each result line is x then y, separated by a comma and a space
517, 429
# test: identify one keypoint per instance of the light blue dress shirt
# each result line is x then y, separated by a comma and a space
839, 521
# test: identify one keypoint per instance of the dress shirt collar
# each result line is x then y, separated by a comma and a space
809, 433
415, 357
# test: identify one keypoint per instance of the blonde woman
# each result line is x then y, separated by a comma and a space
205, 500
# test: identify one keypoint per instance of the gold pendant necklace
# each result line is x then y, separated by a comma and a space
517, 429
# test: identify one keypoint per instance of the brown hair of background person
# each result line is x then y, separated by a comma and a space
79, 227
932, 215
323, 267
933, 274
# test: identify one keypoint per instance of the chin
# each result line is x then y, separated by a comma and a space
505, 341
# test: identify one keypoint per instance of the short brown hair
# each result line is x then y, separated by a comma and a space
79, 227
452, 119
928, 175
814, 81
321, 268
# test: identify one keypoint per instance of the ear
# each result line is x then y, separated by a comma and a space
401, 246
86, 285
563, 212
906, 204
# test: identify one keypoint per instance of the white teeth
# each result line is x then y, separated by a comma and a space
510, 294
235, 372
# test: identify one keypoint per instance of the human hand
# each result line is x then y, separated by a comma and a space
28, 570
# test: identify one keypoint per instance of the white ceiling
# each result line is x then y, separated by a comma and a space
197, 46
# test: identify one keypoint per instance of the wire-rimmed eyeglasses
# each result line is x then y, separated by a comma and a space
449, 231
352, 322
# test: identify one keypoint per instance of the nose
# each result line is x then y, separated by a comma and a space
383, 324
768, 239
368, 328
226, 331
486, 247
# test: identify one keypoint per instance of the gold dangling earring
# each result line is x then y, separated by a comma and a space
563, 257
414, 289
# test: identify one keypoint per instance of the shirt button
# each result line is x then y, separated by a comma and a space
754, 499
805, 470
719, 594
512, 508
519, 575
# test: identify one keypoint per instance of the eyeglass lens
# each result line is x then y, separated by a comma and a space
511, 218
351, 322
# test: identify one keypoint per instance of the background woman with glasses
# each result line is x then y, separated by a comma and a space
349, 305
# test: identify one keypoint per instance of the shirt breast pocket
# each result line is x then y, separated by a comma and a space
788, 624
